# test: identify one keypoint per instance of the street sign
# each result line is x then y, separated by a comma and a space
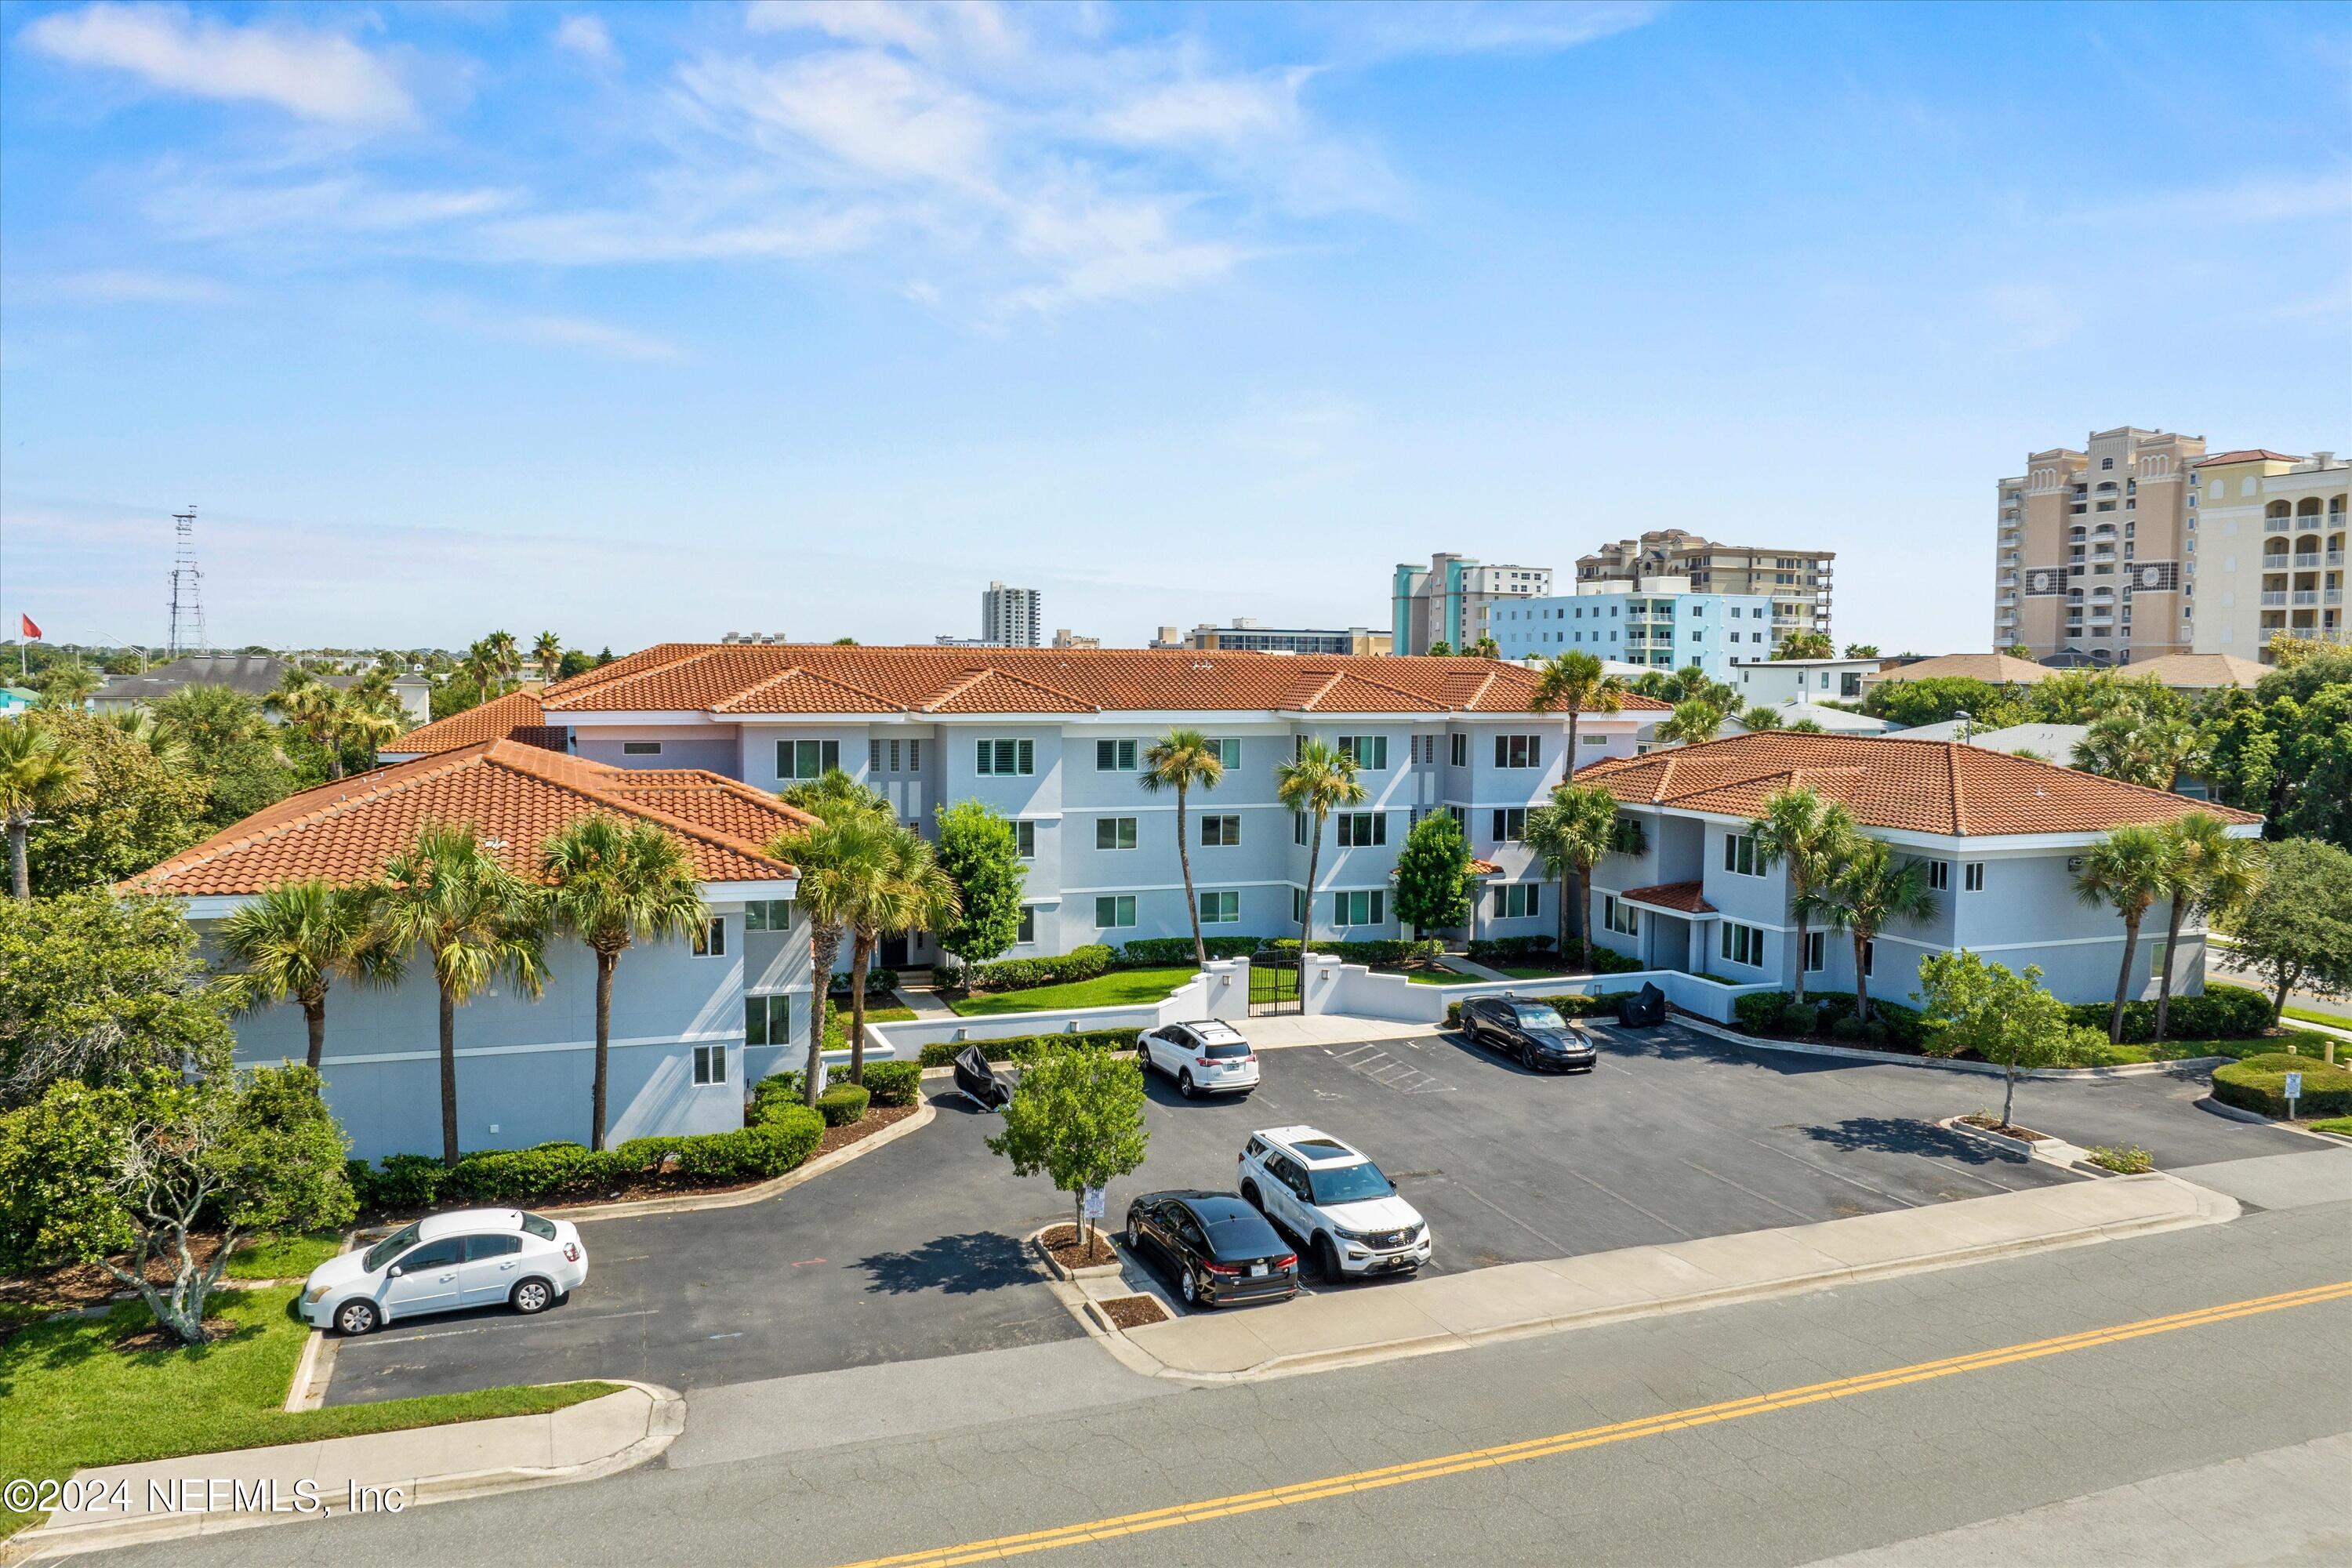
1093, 1198
2294, 1093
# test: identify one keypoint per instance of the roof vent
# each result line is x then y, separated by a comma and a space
494, 843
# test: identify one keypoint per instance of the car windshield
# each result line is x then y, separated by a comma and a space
390, 1248
1349, 1183
1536, 1016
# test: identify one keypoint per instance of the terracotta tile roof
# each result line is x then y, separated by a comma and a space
1683, 897
1997, 667
2247, 455
514, 794
514, 717
1923, 786
778, 678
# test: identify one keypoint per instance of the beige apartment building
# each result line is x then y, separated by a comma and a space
2273, 529
2096, 551
1796, 581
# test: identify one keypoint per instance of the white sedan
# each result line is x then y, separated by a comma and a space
1206, 1057
444, 1263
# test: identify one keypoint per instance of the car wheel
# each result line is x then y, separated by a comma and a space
1184, 1084
1249, 1196
1134, 1231
357, 1318
532, 1296
1327, 1258
1189, 1288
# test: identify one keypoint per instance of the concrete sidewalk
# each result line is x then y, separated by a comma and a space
1327, 1029
204, 1494
1378, 1322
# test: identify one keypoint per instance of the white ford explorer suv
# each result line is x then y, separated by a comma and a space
1333, 1201
444, 1263
1208, 1057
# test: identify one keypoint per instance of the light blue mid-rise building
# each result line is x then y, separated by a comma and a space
1662, 627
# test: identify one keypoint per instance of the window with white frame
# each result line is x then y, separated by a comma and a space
1228, 749
1371, 752
1006, 757
1114, 756
1510, 823
1113, 833
641, 748
1221, 832
1361, 830
1299, 827
1619, 917
1027, 930
1518, 751
1869, 955
806, 759
1739, 854
1972, 875
1516, 900
1113, 911
873, 756
1298, 904
1024, 838
709, 1064
1221, 908
1360, 907
1460, 750
1940, 875
2156, 956
711, 940
767, 1020
1816, 944
768, 914
1743, 946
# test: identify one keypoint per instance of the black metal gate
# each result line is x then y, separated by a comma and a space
1274, 985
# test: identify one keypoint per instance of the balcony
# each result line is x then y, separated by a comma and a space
2274, 599
2306, 558
2301, 596
2331, 596
2335, 558
2278, 525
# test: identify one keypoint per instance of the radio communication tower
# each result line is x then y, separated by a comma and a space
187, 587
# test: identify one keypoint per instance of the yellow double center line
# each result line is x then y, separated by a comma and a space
1098, 1530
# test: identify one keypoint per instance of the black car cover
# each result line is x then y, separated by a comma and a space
977, 1079
1644, 1010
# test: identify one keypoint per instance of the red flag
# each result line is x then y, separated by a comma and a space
30, 629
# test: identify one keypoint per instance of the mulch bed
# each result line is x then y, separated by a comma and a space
1061, 1242
1133, 1312
156, 1337
88, 1285
2006, 1129
876, 1118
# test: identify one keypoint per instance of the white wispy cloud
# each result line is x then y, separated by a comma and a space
592, 337
318, 76
588, 38
208, 205
127, 286
1487, 26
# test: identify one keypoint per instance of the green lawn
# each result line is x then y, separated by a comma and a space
2314, 1015
1528, 971
2339, 1124
283, 1257
2311, 1042
74, 1401
836, 1021
1431, 976
1119, 988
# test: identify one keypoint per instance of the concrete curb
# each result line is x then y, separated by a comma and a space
2255, 1118
665, 1422
2206, 1207
2049, 1149
693, 1204
1942, 1064
1035, 1242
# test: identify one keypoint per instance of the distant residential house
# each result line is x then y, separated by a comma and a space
2000, 836
1803, 680
693, 1023
255, 675
16, 699
1995, 669
2051, 742
517, 716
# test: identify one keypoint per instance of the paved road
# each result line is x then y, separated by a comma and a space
914, 1251
1885, 1461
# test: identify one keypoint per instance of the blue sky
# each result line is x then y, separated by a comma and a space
664, 321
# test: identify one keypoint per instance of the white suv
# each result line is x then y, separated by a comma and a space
1333, 1201
1205, 1058
444, 1263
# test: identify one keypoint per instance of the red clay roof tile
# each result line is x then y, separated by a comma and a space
516, 716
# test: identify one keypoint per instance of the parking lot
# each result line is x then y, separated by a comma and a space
914, 1251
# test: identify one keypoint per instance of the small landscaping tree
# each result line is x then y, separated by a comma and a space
1432, 875
1315, 782
1077, 1115
912, 894
1572, 831
1184, 761
2296, 929
1812, 838
843, 862
2211, 872
293, 943
1874, 887
1805, 645
2127, 871
2008, 1019
130, 1171
39, 773
1694, 721
980, 855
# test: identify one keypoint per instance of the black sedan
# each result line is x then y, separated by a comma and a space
1221, 1249
1532, 1031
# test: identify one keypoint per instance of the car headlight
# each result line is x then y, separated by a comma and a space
314, 1295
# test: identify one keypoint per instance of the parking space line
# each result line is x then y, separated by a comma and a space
400, 1339
1798, 1214
1629, 1203
1558, 1250
1825, 1171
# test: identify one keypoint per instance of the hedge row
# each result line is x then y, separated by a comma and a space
2259, 1083
877, 979
780, 1135
1830, 1012
1379, 952
1086, 963
1595, 1006
2224, 1012
1020, 1047
1158, 951
1510, 948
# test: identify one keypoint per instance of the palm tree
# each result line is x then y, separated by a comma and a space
843, 862
1760, 717
368, 728
1804, 726
1485, 647
1805, 645
1572, 832
2127, 870
1872, 890
2210, 870
311, 708
1317, 781
68, 685
2138, 747
476, 920
144, 730
1812, 838
295, 942
547, 652
505, 655
612, 883
1576, 680
912, 894
39, 773
1862, 650
481, 668
1181, 760
1692, 723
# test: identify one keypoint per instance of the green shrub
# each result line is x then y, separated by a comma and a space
877, 979
1600, 1005
1020, 1047
1159, 952
1891, 1023
1080, 963
1758, 1013
843, 1104
2224, 1012
2259, 1083
1847, 1029
1505, 949
772, 1094
894, 1083
405, 1181
1798, 1019
557, 1170
2129, 1161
